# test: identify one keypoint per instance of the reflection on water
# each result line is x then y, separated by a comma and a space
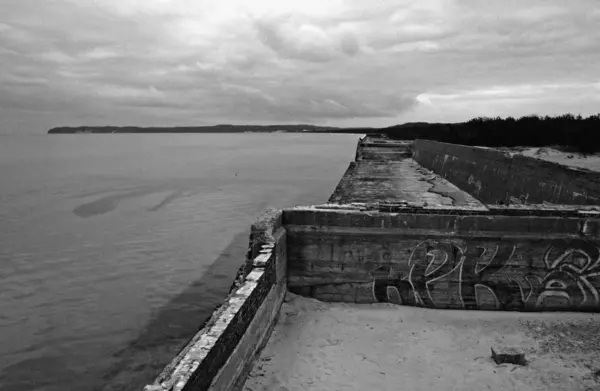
172, 327
108, 203
114, 249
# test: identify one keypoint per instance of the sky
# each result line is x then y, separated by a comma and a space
328, 62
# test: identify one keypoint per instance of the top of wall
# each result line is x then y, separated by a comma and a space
490, 152
384, 172
385, 177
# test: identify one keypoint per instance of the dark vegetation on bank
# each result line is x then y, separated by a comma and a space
567, 132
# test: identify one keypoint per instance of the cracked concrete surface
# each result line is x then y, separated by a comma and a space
384, 172
398, 181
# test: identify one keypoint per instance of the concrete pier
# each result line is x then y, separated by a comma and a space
386, 173
419, 224
395, 231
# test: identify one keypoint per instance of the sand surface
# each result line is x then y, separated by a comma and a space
576, 160
335, 346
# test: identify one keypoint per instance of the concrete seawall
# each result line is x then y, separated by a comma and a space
220, 355
422, 224
427, 230
497, 178
445, 260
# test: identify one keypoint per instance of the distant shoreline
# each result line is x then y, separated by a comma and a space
565, 132
208, 129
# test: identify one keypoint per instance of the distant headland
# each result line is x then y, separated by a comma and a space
567, 132
209, 129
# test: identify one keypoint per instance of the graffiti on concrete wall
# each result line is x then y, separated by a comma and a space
493, 275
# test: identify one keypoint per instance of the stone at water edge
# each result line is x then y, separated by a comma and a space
508, 355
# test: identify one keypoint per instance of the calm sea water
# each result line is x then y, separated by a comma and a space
115, 248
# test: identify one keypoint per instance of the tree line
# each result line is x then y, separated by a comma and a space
566, 132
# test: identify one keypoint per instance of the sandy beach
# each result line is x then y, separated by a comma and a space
338, 346
575, 160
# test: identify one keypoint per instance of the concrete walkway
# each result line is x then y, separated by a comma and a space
399, 181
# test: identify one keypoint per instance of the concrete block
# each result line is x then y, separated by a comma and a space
508, 355
262, 259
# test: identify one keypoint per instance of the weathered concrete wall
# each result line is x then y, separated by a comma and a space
220, 355
370, 148
475, 261
494, 177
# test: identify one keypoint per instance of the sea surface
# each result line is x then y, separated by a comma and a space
115, 248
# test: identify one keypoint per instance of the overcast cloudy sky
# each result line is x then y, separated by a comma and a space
336, 62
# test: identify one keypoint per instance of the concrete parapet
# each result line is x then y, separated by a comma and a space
220, 355
376, 149
498, 178
477, 261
